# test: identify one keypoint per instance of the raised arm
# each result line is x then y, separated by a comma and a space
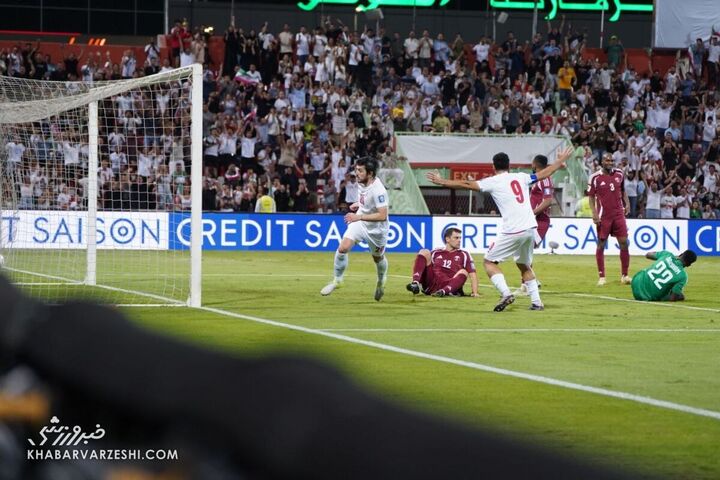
562, 156
435, 178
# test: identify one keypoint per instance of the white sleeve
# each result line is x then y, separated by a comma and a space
381, 198
486, 184
528, 179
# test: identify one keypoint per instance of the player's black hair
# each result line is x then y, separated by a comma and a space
448, 233
369, 163
501, 161
688, 257
541, 160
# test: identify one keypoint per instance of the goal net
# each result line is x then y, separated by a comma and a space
100, 188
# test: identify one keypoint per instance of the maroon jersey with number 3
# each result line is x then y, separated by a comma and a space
608, 192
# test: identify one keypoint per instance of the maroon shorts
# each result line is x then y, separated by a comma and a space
431, 282
615, 226
542, 229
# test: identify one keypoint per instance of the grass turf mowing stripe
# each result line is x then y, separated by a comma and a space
478, 366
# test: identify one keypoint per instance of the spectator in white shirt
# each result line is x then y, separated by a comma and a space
713, 61
412, 46
652, 206
15, 150
667, 203
248, 141
302, 45
253, 73
151, 51
425, 46
118, 161
128, 64
105, 175
63, 199
71, 154
145, 163
286, 39
631, 188
683, 203
352, 189
711, 179
482, 51
187, 57
709, 131
320, 43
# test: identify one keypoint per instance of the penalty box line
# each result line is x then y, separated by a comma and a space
476, 366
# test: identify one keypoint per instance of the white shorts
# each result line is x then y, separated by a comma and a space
357, 232
517, 245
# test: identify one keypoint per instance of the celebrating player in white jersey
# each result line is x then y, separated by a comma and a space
369, 224
517, 238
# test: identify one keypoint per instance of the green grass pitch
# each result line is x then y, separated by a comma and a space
667, 353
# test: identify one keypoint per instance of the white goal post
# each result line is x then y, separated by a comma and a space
101, 188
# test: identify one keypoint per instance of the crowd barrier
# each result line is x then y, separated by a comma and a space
313, 232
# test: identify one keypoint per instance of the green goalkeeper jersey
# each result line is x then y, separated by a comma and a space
656, 282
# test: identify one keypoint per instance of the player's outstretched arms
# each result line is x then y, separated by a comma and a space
435, 178
651, 255
676, 297
562, 156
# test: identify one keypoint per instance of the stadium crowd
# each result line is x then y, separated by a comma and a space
287, 113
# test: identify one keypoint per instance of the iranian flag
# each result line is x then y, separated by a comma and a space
243, 77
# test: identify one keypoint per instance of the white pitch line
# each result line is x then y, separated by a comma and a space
528, 330
478, 366
104, 287
552, 292
657, 304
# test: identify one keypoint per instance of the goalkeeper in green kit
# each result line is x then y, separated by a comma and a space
665, 279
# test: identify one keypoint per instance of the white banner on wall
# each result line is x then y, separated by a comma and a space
678, 23
68, 230
450, 149
574, 235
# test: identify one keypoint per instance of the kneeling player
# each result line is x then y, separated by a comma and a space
444, 271
663, 280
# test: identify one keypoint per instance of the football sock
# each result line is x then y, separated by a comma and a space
382, 267
600, 259
455, 284
533, 291
624, 261
521, 278
499, 281
341, 263
419, 268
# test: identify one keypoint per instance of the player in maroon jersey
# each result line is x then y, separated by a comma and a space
541, 197
444, 271
610, 205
